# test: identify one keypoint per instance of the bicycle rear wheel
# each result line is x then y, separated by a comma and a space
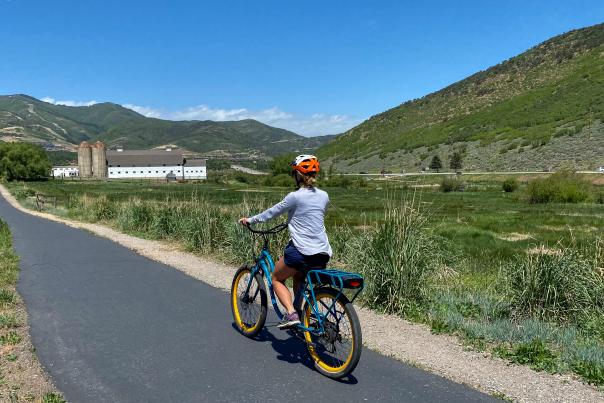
249, 307
335, 353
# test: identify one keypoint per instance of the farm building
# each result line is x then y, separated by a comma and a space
96, 162
65, 171
154, 164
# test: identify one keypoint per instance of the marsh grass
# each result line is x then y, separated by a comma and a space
451, 184
561, 187
398, 259
560, 284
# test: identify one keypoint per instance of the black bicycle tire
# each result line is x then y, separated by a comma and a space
263, 303
356, 332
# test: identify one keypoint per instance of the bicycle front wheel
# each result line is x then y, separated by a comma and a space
337, 351
248, 304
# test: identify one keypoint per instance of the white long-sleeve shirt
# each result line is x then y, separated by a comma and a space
306, 219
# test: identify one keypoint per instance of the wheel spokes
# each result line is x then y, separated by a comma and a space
334, 346
249, 303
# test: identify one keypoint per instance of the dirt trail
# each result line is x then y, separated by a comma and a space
387, 334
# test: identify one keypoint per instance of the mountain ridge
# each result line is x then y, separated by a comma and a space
532, 101
25, 118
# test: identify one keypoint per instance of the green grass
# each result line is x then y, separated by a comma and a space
11, 337
53, 398
8, 321
535, 353
456, 261
7, 297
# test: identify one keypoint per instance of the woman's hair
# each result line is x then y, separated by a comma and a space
307, 181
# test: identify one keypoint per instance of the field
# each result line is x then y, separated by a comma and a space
517, 279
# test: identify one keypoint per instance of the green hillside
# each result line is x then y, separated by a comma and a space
541, 109
23, 118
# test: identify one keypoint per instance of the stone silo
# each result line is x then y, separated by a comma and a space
99, 160
85, 160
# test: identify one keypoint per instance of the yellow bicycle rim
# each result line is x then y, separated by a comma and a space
235, 301
308, 337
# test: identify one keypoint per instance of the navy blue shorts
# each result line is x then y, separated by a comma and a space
294, 259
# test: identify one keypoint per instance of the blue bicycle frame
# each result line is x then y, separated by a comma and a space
319, 277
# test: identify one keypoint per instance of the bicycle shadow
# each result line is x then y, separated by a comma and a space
294, 351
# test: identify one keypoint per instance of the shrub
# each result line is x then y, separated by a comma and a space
560, 285
449, 184
280, 180
592, 371
398, 258
561, 187
510, 185
23, 161
534, 353
280, 164
23, 192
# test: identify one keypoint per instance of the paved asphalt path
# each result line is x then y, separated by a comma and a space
112, 326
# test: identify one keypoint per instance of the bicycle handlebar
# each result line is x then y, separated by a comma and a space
273, 230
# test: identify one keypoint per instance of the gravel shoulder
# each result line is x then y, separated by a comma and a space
387, 334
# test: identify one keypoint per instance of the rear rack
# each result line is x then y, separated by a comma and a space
337, 279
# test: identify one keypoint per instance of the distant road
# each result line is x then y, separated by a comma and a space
468, 173
112, 326
248, 170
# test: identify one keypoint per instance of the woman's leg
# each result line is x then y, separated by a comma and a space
298, 278
282, 273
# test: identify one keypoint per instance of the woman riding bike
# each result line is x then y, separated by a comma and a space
308, 247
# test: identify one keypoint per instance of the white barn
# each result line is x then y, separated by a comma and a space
67, 171
154, 164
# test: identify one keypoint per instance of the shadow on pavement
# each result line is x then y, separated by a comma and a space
293, 350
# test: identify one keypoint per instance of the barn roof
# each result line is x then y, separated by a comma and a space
150, 158
195, 162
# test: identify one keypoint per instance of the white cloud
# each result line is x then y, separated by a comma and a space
68, 103
145, 111
313, 125
204, 112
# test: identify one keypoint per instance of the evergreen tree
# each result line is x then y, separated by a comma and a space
436, 163
456, 161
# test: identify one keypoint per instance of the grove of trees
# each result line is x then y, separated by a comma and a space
23, 161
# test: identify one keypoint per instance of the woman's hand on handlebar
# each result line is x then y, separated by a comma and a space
244, 221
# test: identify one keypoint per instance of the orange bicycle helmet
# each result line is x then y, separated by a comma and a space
305, 164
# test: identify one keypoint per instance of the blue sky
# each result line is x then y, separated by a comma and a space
315, 67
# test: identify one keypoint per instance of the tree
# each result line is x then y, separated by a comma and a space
456, 161
23, 161
436, 163
280, 164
